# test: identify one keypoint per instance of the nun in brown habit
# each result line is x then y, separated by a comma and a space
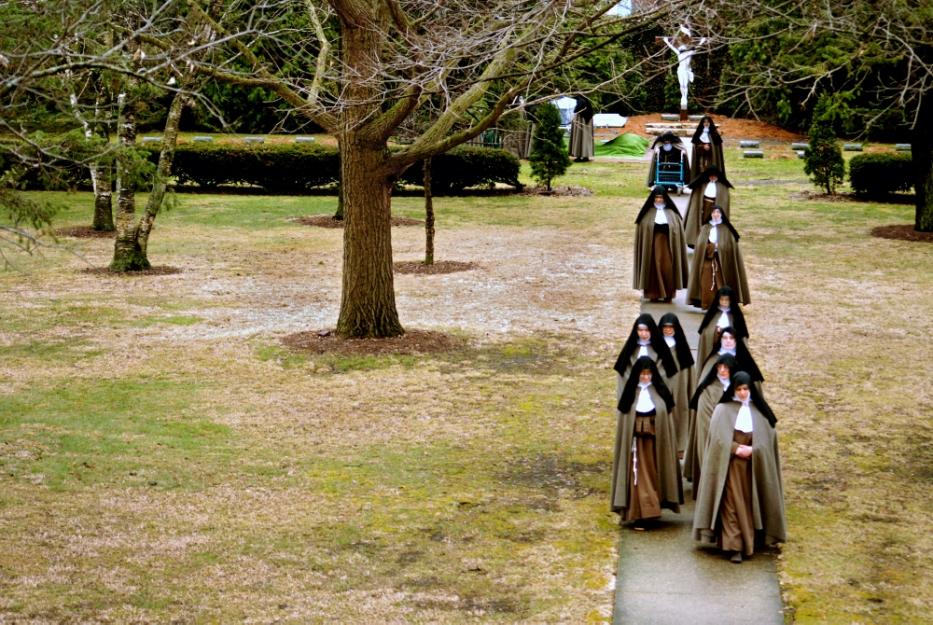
645, 472
730, 344
740, 498
707, 395
645, 339
717, 262
660, 254
682, 383
707, 148
711, 188
723, 312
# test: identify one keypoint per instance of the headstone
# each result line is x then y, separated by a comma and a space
254, 139
304, 139
799, 146
852, 147
801, 153
748, 143
202, 139
753, 154
902, 147
669, 117
152, 139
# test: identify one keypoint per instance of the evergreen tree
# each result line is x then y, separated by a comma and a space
823, 160
549, 158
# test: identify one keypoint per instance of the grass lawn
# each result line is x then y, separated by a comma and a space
163, 456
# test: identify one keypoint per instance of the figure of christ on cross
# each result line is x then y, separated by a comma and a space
684, 46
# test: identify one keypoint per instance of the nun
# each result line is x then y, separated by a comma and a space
709, 189
740, 499
723, 312
669, 152
581, 130
645, 472
717, 262
728, 343
682, 383
708, 393
660, 253
644, 340
707, 148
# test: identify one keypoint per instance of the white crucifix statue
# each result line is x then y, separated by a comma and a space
684, 46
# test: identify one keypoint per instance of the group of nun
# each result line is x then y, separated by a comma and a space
709, 412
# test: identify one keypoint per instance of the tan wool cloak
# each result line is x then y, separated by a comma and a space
700, 160
644, 240
767, 486
731, 264
698, 431
581, 137
669, 484
694, 218
681, 386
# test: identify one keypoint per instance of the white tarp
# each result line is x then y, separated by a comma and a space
608, 120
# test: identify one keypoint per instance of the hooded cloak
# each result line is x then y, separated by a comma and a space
767, 490
708, 393
743, 359
681, 384
700, 157
708, 325
730, 266
661, 353
667, 481
695, 218
581, 129
644, 243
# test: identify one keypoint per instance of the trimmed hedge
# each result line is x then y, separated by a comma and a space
878, 175
299, 167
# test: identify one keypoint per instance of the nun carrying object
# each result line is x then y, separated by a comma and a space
717, 262
660, 253
669, 161
707, 148
645, 472
740, 498
681, 385
709, 189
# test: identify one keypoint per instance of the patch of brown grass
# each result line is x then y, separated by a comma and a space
84, 232
412, 342
155, 270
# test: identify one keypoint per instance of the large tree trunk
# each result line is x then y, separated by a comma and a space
367, 305
127, 255
428, 215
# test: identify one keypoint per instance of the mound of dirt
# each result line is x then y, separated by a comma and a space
84, 232
732, 129
442, 266
159, 270
901, 232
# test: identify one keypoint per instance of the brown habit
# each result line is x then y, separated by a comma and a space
731, 267
767, 491
695, 215
644, 243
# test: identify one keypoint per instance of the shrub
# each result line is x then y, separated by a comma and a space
823, 159
466, 166
878, 175
549, 158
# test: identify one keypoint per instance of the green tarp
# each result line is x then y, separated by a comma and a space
627, 144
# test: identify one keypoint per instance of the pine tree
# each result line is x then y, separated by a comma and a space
549, 158
824, 163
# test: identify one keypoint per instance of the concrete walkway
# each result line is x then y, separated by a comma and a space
665, 578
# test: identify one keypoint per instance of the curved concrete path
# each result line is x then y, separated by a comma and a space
664, 578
